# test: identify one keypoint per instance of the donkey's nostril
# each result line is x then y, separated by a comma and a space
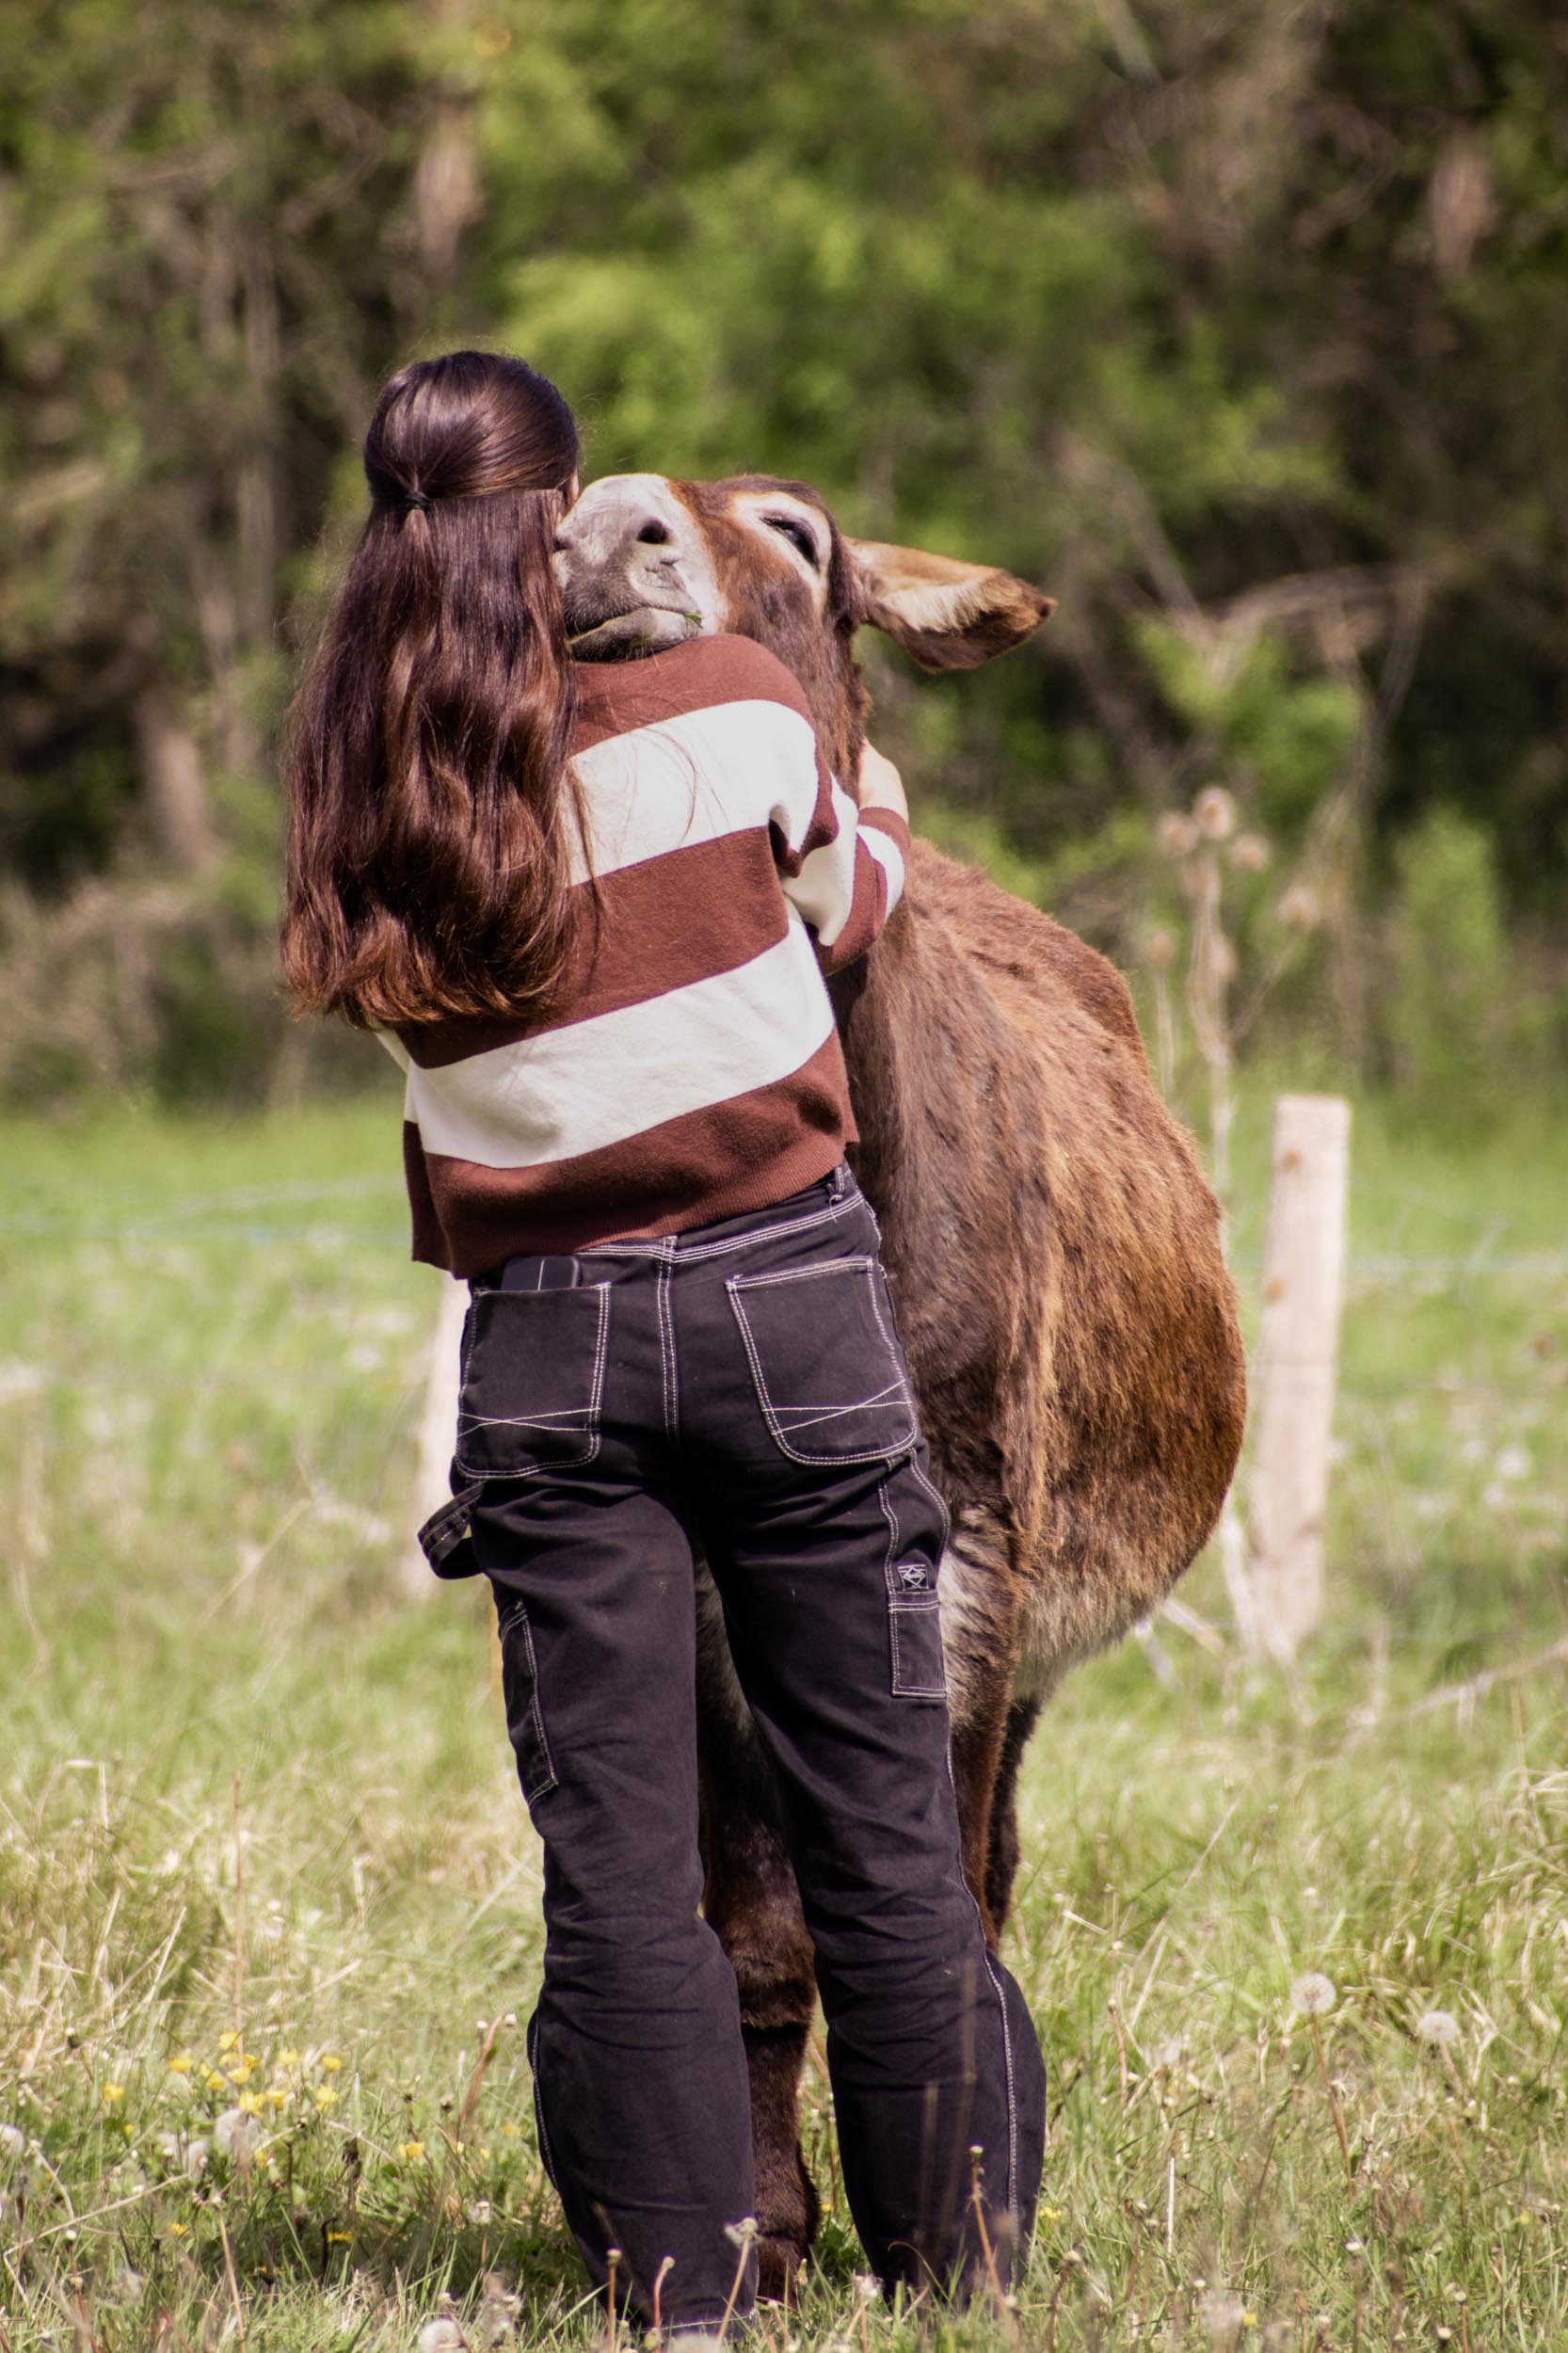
654, 535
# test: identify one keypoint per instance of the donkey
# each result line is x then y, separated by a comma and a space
1051, 1246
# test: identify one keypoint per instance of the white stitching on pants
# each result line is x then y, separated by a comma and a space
664, 1246
667, 1350
1012, 2199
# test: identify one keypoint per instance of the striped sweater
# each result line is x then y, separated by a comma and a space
691, 1069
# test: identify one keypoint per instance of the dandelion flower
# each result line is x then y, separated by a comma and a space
236, 2134
1312, 1994
325, 2097
411, 2150
740, 2233
113, 2094
214, 2081
227, 2041
182, 2063
288, 2058
177, 2230
250, 2102
1438, 2027
329, 2063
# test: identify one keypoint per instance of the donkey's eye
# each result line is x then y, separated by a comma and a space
790, 527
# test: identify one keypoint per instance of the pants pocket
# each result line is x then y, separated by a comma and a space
533, 1380
520, 1686
445, 1539
823, 1361
915, 1638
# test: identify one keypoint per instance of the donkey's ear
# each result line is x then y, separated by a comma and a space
947, 615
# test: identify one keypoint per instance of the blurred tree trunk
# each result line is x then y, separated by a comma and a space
447, 198
174, 784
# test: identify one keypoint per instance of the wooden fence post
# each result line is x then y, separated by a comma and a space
1304, 1265
437, 1431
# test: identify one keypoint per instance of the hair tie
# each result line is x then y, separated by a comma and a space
416, 501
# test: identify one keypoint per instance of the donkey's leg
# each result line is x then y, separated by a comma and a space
1002, 1863
981, 1643
753, 1907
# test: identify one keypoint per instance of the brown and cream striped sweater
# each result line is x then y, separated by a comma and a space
691, 1069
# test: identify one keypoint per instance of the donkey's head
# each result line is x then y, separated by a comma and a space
644, 562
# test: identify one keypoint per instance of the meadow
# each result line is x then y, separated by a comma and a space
1297, 1944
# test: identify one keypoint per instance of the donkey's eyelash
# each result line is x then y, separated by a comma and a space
796, 533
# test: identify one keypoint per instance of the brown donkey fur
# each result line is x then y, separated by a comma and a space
1051, 1245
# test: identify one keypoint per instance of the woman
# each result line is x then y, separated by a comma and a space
590, 913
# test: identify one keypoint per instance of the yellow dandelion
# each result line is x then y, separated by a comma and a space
411, 2150
513, 2132
288, 2058
214, 2081
280, 2095
243, 2073
177, 2230
227, 2041
1249, 2320
329, 2063
182, 2063
250, 2104
1051, 2214
325, 2097
113, 2094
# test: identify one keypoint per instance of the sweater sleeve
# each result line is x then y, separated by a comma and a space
842, 868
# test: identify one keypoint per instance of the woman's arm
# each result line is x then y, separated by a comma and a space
845, 874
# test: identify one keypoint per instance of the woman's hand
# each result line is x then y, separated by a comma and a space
881, 785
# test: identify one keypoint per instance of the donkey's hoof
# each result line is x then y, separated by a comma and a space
781, 2262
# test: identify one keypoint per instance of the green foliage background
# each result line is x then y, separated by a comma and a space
1238, 326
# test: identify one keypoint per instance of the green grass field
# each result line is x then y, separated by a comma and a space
263, 1866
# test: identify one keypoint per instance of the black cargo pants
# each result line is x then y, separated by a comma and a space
737, 1392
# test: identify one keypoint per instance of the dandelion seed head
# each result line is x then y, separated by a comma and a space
1176, 834
1438, 2027
441, 2336
237, 2133
1312, 1994
740, 2233
1222, 2314
12, 2143
1214, 814
1248, 852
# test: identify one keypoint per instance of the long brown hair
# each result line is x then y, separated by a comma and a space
428, 851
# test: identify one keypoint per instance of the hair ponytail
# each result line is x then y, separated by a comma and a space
429, 851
